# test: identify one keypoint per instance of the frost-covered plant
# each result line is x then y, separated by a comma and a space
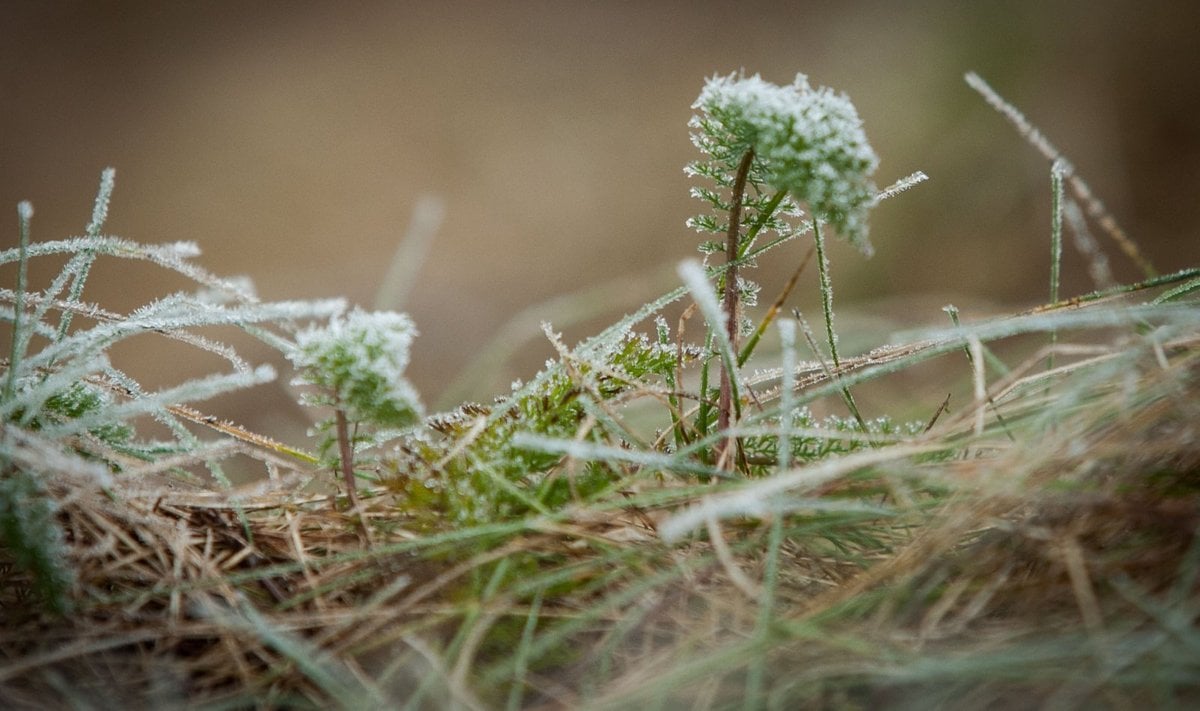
774, 148
357, 363
808, 143
67, 412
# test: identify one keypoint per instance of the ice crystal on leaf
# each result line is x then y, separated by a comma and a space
807, 142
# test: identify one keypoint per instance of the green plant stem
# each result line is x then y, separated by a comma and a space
826, 293
827, 309
673, 378
703, 413
732, 246
787, 384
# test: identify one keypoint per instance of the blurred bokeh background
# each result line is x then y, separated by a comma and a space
293, 140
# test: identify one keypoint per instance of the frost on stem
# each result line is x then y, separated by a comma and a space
808, 143
772, 148
357, 363
103, 197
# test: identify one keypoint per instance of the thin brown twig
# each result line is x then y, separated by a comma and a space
731, 293
346, 453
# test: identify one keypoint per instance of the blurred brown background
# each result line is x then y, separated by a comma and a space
292, 141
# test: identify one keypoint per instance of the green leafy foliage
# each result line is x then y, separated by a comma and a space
76, 401
29, 530
812, 439
466, 466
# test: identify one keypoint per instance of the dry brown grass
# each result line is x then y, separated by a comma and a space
1052, 559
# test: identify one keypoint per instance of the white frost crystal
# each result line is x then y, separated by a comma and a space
360, 359
810, 142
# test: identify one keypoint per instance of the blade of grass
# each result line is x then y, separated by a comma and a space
87, 256
831, 373
334, 679
427, 216
787, 342
521, 658
1056, 225
1095, 208
19, 335
766, 616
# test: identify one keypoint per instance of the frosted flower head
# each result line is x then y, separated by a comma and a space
809, 142
360, 359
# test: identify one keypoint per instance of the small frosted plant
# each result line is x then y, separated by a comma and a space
357, 363
770, 149
68, 413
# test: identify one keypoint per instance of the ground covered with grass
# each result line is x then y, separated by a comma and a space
648, 522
